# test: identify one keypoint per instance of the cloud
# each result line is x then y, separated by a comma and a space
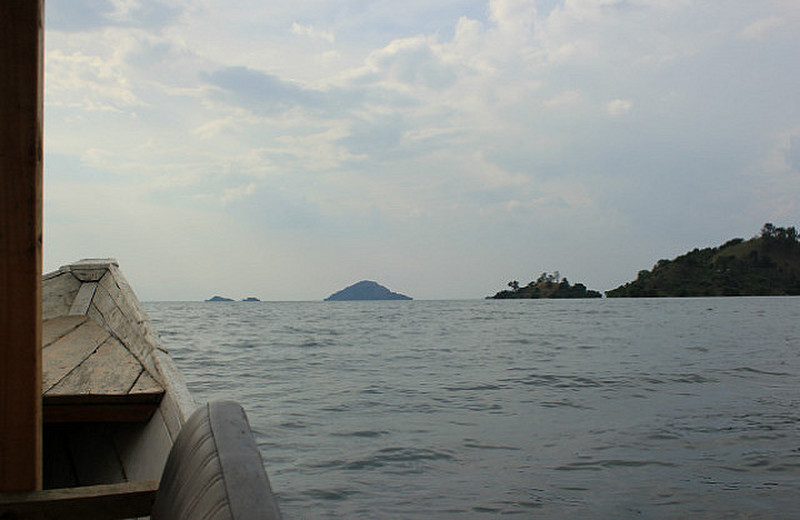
308, 30
761, 28
618, 107
478, 129
83, 15
570, 99
260, 91
414, 62
93, 83
238, 192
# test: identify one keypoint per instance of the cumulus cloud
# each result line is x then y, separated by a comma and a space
413, 62
88, 82
479, 122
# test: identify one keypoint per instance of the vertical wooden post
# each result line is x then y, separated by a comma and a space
21, 116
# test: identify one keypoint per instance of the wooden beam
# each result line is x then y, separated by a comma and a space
101, 502
21, 115
102, 408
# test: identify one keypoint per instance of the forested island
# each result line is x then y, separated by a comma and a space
766, 265
546, 286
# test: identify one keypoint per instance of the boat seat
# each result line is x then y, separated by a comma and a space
214, 470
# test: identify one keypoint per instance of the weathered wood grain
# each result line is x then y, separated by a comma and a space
55, 328
99, 409
178, 404
144, 448
83, 299
111, 369
66, 354
145, 385
135, 318
21, 159
89, 271
58, 293
100, 502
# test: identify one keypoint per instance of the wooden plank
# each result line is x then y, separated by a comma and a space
69, 352
98, 408
121, 317
178, 404
94, 456
145, 385
99, 413
89, 273
115, 306
83, 299
144, 448
111, 369
21, 117
100, 502
58, 327
58, 293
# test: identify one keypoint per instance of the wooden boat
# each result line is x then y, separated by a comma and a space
113, 400
115, 409
95, 420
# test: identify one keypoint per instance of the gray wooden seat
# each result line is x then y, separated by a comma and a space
214, 470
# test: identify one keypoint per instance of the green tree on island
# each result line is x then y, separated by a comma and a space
546, 286
766, 265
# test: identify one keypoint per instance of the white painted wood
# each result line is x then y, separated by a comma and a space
177, 404
94, 263
110, 370
88, 275
145, 385
114, 310
113, 306
69, 352
143, 448
91, 270
58, 293
80, 305
56, 328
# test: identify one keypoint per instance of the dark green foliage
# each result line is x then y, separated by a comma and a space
768, 265
547, 286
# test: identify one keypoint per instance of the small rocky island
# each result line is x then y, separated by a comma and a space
365, 290
219, 299
546, 286
766, 265
251, 299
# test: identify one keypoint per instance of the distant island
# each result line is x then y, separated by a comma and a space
251, 299
766, 265
365, 290
546, 286
219, 299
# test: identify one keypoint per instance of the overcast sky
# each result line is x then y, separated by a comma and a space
285, 150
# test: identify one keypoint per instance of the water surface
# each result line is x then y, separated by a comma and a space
643, 408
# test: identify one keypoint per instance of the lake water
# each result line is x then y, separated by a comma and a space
636, 408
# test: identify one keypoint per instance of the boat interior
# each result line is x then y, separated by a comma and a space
115, 411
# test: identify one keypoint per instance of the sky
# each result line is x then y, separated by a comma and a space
285, 150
